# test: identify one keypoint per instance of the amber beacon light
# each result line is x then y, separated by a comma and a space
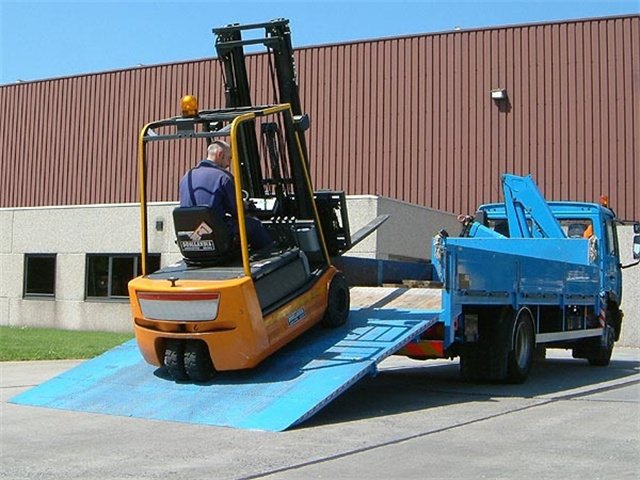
604, 201
189, 106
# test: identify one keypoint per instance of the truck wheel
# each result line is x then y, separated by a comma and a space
486, 359
521, 356
602, 354
338, 302
614, 318
473, 360
539, 353
197, 361
174, 359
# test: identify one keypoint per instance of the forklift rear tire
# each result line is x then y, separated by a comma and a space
197, 361
174, 360
338, 302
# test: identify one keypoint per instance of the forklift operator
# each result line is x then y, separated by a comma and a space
210, 184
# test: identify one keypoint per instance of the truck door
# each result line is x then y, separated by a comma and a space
612, 281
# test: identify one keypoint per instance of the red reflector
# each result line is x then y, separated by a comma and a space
178, 297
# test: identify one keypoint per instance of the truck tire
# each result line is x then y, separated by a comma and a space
540, 353
486, 359
472, 363
338, 302
520, 356
602, 353
614, 318
174, 360
197, 361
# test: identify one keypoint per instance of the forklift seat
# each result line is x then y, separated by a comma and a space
202, 235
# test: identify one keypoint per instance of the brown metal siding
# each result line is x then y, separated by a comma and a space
408, 118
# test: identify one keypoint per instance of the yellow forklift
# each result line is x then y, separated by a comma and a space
225, 306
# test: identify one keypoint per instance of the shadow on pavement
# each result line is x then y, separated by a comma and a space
425, 386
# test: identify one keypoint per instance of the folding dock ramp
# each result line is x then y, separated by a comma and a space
284, 390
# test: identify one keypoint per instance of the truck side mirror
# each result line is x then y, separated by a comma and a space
636, 246
636, 228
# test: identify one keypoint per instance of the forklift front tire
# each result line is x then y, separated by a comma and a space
338, 302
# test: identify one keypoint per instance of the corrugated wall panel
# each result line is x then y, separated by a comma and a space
632, 115
409, 118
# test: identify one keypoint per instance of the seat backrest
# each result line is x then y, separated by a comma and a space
576, 230
201, 234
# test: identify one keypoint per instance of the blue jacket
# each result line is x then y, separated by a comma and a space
209, 185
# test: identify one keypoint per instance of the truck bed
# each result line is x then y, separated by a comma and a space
402, 298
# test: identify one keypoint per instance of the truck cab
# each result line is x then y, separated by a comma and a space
592, 222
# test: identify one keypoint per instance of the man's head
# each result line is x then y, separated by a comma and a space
219, 152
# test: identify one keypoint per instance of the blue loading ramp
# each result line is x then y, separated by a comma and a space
284, 390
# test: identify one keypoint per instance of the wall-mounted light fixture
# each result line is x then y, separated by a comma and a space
499, 94
159, 225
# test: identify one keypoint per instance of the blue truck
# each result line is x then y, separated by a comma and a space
526, 275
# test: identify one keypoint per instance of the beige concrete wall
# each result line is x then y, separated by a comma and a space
72, 232
630, 290
406, 234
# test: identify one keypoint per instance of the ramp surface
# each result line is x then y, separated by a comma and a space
284, 390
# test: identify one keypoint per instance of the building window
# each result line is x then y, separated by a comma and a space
39, 275
108, 275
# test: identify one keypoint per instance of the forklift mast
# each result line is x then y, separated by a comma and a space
277, 39
230, 47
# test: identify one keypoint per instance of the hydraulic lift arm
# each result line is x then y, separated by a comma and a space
522, 198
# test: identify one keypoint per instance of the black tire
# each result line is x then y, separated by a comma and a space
614, 318
338, 302
197, 361
174, 359
520, 357
540, 353
602, 354
473, 361
486, 359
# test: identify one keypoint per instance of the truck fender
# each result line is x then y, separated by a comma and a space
515, 322
614, 317
523, 343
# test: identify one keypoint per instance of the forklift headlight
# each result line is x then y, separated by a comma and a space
195, 307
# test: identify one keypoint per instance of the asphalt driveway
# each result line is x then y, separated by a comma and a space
414, 420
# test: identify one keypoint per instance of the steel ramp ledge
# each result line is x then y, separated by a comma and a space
284, 390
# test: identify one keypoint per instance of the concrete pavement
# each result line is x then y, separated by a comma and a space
414, 420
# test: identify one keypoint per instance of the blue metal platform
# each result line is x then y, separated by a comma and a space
284, 390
